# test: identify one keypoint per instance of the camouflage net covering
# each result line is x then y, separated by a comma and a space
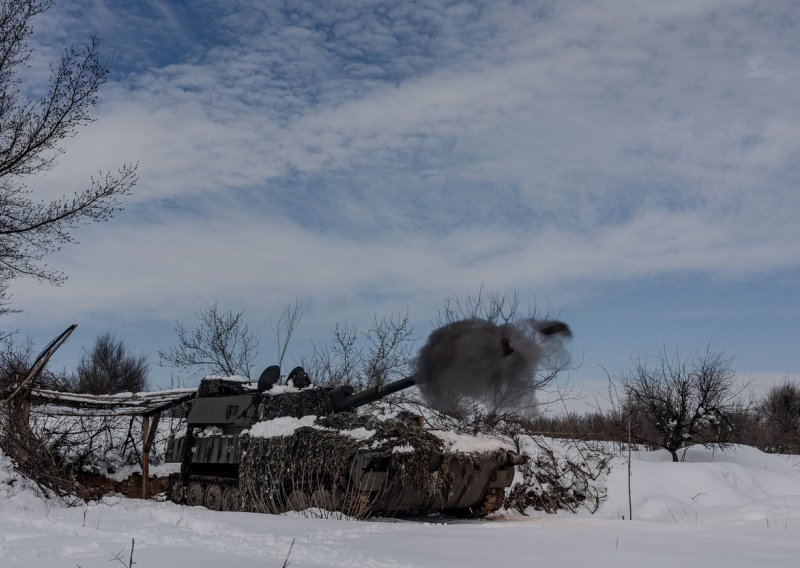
317, 467
220, 386
296, 404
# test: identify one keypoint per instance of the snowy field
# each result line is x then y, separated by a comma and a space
737, 508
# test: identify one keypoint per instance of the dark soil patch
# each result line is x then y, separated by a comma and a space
96, 485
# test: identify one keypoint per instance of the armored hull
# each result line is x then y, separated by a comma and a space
286, 449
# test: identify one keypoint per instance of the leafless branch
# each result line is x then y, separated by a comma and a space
221, 343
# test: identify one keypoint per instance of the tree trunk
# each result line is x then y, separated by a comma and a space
674, 454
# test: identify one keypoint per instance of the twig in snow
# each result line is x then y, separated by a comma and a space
288, 554
118, 557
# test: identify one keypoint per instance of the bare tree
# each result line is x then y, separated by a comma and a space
335, 362
287, 323
496, 307
110, 368
674, 402
31, 134
221, 343
379, 355
388, 354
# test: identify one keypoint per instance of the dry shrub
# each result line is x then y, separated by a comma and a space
31, 455
780, 419
560, 475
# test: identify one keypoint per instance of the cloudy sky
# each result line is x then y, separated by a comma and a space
632, 166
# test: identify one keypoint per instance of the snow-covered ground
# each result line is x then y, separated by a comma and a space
737, 508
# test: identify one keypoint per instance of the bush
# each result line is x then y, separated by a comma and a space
109, 368
780, 414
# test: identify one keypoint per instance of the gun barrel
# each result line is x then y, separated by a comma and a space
371, 395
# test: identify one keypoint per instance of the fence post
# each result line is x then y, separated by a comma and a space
145, 454
149, 430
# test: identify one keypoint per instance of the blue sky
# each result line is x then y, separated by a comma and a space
632, 166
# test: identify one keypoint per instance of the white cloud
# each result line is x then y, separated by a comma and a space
375, 152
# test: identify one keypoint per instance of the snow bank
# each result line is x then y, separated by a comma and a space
746, 516
10, 481
735, 486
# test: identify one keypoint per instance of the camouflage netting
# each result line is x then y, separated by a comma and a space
221, 386
314, 467
296, 404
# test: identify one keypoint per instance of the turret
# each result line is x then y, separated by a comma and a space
234, 405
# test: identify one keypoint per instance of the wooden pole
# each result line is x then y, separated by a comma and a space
630, 499
149, 430
145, 454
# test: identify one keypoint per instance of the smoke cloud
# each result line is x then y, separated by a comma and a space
477, 362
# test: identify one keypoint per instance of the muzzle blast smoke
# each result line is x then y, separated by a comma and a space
476, 362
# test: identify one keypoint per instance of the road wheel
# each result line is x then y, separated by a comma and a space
213, 497
492, 502
230, 499
195, 494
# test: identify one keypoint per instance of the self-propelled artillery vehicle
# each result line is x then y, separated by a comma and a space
273, 448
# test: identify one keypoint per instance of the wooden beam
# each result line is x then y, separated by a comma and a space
41, 361
54, 403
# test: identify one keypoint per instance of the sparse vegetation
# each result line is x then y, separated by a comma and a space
220, 343
110, 368
372, 358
